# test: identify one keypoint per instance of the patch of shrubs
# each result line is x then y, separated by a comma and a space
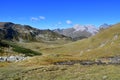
19, 49
27, 52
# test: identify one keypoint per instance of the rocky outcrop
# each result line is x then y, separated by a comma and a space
72, 62
11, 58
101, 61
109, 60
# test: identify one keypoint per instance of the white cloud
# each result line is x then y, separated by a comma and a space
34, 19
41, 17
69, 22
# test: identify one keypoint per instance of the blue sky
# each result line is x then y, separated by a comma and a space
44, 14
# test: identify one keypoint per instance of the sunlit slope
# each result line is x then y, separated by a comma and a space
104, 44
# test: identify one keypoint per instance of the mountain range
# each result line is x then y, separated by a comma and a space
78, 32
22, 33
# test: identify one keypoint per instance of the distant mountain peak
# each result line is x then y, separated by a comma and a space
78, 27
104, 26
89, 28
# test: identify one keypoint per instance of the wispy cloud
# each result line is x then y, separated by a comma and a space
69, 22
42, 18
56, 25
34, 19
37, 18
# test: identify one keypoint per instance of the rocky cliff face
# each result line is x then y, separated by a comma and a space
18, 32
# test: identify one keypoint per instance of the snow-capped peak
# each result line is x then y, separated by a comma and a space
89, 28
78, 27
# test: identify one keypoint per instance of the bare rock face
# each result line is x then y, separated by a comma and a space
18, 32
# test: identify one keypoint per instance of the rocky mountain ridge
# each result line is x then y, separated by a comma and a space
18, 32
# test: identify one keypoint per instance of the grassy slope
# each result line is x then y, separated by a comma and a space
52, 72
104, 44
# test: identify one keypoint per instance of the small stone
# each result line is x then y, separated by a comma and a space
104, 77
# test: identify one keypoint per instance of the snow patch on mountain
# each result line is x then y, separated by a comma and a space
78, 27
